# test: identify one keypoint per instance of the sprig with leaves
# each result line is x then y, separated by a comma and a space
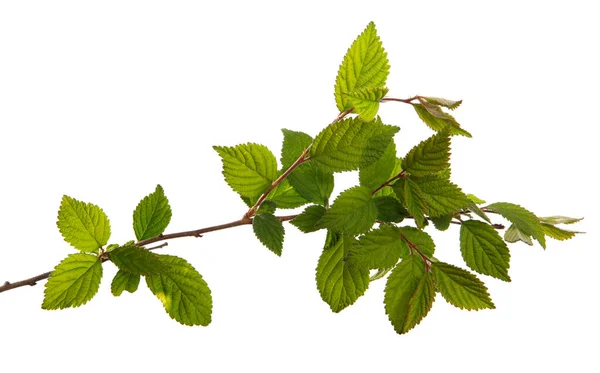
376, 229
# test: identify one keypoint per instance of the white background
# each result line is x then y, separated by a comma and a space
103, 100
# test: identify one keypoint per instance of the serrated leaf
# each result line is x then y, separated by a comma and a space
83, 225
461, 288
389, 209
558, 233
475, 200
307, 220
479, 212
73, 282
523, 219
183, 292
340, 284
364, 65
450, 104
380, 171
353, 212
249, 169
413, 199
152, 215
559, 220
483, 249
439, 124
379, 248
294, 144
442, 223
514, 234
269, 230
409, 294
430, 156
137, 260
124, 281
285, 196
441, 196
351, 144
365, 101
423, 241
268, 206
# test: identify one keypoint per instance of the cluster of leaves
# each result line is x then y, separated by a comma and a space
373, 230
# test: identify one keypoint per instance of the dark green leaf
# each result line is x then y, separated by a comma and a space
285, 196
137, 260
124, 280
353, 212
269, 230
483, 249
152, 215
413, 199
389, 209
379, 248
461, 288
84, 225
376, 174
307, 220
442, 223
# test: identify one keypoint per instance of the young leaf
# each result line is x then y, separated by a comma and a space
122, 281
430, 156
137, 260
183, 292
340, 284
365, 101
380, 171
475, 200
443, 102
84, 225
152, 215
441, 196
461, 288
364, 65
351, 144
389, 209
249, 169
447, 122
483, 249
269, 230
559, 220
409, 294
514, 234
73, 282
379, 248
353, 212
307, 220
423, 241
523, 219
558, 233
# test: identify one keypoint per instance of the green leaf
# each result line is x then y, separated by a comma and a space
364, 65
365, 101
381, 272
477, 211
389, 209
294, 144
430, 156
249, 169
183, 292
413, 199
442, 223
380, 171
514, 234
152, 215
461, 288
483, 249
122, 281
351, 144
379, 248
441, 196
443, 102
73, 282
268, 206
447, 122
475, 200
559, 220
558, 233
137, 260
409, 294
307, 220
285, 196
523, 219
269, 230
340, 284
418, 238
84, 225
353, 212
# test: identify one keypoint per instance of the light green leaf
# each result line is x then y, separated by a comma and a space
353, 212
514, 234
523, 219
447, 122
285, 196
351, 144
441, 196
558, 233
152, 215
73, 282
409, 294
389, 209
294, 144
340, 284
122, 281
559, 220
477, 211
249, 169
379, 248
483, 249
366, 101
269, 230
420, 239
364, 65
137, 260
476, 200
380, 171
381, 272
461, 288
307, 220
413, 199
84, 225
443, 102
430, 156
183, 292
